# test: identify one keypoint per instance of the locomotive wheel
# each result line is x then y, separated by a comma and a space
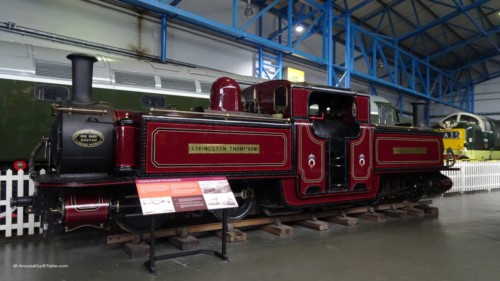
246, 204
238, 213
139, 224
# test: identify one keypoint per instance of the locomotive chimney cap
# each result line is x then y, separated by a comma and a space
82, 55
420, 102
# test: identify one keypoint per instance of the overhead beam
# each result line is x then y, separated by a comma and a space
192, 18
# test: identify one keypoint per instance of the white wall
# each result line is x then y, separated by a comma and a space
122, 29
487, 100
78, 19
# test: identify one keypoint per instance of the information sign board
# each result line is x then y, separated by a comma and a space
163, 195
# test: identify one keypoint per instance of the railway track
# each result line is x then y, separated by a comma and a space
276, 224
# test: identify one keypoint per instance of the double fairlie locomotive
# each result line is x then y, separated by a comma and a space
280, 145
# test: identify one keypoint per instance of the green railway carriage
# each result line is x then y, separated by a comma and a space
26, 105
22, 120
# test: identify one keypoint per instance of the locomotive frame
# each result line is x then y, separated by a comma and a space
280, 145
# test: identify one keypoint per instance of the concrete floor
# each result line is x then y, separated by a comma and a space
462, 244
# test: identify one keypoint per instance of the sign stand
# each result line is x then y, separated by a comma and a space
151, 263
170, 195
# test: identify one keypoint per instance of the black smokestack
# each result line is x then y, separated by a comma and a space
82, 67
419, 113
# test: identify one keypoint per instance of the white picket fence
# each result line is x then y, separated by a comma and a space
472, 176
475, 176
14, 219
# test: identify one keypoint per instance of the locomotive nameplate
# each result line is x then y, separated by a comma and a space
409, 150
202, 148
88, 138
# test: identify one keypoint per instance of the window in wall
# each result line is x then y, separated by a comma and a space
51, 93
149, 101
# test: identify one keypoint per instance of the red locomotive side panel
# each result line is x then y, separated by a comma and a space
361, 156
293, 198
311, 164
300, 98
197, 148
363, 109
407, 151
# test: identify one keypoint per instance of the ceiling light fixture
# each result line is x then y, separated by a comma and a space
299, 28
248, 10
380, 64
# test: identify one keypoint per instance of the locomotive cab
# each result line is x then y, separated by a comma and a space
271, 98
333, 119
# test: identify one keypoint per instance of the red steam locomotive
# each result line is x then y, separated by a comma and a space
280, 145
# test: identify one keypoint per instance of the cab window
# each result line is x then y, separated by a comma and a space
387, 114
452, 119
280, 99
470, 119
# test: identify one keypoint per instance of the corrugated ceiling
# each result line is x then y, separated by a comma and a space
450, 34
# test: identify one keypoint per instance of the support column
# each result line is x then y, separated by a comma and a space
163, 38
349, 49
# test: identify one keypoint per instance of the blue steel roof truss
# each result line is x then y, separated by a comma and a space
411, 59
